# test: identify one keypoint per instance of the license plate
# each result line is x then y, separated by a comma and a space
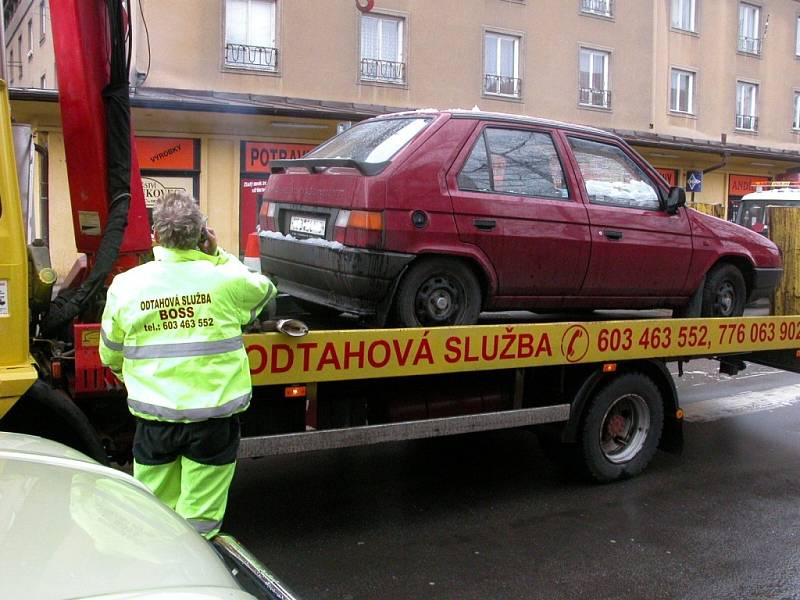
308, 226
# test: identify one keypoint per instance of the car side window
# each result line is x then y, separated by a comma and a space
476, 175
612, 178
514, 161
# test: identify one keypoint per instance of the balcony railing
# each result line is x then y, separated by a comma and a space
750, 45
598, 7
373, 69
594, 97
502, 85
747, 122
252, 57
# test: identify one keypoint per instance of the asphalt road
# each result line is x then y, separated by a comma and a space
488, 516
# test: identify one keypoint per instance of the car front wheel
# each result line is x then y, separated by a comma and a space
436, 292
724, 292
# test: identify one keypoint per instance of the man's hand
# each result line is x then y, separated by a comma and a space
209, 245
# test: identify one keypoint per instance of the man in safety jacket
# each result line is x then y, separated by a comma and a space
172, 332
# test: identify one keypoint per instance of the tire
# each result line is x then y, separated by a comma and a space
436, 292
622, 428
724, 292
49, 413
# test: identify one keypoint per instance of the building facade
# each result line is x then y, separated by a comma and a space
706, 89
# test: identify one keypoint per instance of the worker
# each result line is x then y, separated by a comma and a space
172, 333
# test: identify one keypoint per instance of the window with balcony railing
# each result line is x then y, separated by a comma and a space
382, 49
594, 97
749, 28
598, 7
383, 70
747, 122
250, 35
504, 86
750, 45
593, 87
501, 65
257, 57
746, 106
796, 119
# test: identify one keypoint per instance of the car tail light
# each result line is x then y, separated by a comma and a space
266, 217
359, 228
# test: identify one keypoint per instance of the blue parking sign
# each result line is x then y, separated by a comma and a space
694, 181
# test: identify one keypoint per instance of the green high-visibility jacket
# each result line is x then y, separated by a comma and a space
172, 332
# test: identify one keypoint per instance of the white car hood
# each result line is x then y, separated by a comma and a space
71, 528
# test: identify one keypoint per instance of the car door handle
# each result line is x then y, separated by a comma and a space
485, 224
612, 235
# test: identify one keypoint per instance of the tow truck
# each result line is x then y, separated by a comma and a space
600, 391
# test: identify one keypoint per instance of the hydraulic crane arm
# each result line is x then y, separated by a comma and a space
92, 47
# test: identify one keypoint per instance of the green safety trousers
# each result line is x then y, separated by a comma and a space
189, 466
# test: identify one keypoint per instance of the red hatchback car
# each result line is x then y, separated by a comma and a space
429, 217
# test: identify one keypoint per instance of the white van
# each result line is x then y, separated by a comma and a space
753, 207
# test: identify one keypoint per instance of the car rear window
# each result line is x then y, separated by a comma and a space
372, 141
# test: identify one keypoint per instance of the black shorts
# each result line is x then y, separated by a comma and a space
211, 442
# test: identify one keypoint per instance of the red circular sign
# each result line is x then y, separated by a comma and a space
366, 6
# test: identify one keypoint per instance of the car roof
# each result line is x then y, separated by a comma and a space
482, 115
788, 193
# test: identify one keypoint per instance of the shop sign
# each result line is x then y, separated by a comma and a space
694, 181
156, 186
671, 175
167, 154
251, 190
739, 185
256, 155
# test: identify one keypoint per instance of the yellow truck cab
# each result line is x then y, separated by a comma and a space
17, 372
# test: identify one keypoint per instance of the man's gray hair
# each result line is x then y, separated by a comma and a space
177, 221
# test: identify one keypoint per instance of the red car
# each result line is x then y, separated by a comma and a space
429, 217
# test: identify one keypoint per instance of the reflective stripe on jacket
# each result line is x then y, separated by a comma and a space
172, 331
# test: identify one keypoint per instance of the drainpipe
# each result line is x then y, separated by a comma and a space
719, 165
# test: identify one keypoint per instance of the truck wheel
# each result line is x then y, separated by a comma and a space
49, 413
438, 292
622, 428
724, 292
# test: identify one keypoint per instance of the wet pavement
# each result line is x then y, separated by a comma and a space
488, 516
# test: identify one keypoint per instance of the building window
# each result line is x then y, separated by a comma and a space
382, 49
683, 12
250, 34
501, 65
30, 39
746, 105
797, 39
796, 120
593, 89
749, 26
11, 66
598, 7
43, 81
681, 95
42, 20
19, 53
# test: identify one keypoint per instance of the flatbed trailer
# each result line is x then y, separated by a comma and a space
601, 389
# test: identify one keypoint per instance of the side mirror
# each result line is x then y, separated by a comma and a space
675, 199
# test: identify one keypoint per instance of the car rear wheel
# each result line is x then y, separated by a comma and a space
724, 292
436, 292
